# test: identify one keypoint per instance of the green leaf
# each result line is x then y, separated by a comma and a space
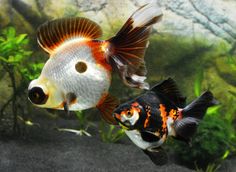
20, 38
198, 83
3, 59
11, 59
10, 32
213, 110
226, 154
232, 93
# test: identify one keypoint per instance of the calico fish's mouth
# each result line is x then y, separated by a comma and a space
125, 125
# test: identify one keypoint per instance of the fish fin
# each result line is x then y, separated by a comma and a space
158, 155
185, 128
198, 107
70, 99
127, 48
106, 106
169, 88
66, 108
53, 33
192, 114
149, 136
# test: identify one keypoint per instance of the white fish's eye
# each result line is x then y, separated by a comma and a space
37, 96
81, 67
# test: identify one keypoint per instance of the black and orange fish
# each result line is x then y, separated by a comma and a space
159, 113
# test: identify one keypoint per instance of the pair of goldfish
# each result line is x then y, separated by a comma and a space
77, 76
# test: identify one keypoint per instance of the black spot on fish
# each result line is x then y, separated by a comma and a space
81, 67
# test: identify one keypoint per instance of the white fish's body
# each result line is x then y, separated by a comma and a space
88, 86
77, 75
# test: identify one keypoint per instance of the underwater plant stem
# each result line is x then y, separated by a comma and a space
14, 90
9, 101
4, 107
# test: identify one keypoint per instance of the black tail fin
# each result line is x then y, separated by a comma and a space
128, 47
198, 107
192, 114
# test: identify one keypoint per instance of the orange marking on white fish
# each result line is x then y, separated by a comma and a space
60, 106
164, 117
99, 53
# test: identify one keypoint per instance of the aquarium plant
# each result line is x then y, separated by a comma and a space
110, 133
14, 54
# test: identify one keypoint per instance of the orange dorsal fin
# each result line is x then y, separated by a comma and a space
53, 33
106, 106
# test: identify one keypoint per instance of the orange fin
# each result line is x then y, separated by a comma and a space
106, 106
127, 48
53, 33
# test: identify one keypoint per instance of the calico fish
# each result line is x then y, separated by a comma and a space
77, 75
161, 112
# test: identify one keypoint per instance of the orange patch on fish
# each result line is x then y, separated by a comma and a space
118, 116
173, 114
135, 104
99, 53
146, 122
164, 117
60, 106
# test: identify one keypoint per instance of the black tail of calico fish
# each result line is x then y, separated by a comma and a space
192, 114
128, 47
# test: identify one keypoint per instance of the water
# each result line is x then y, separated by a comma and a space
194, 44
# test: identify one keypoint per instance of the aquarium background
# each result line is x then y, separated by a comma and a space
195, 43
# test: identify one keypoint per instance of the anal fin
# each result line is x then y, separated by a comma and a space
158, 155
106, 106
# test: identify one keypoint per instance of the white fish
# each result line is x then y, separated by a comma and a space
77, 75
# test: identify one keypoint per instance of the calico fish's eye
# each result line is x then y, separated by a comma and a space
129, 114
37, 96
81, 67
